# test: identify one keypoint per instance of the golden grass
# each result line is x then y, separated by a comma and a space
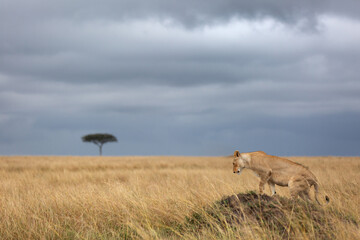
148, 197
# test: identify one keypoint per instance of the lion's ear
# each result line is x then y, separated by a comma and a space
236, 153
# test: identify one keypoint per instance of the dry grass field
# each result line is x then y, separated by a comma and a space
156, 198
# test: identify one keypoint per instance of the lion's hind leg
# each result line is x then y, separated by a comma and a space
298, 186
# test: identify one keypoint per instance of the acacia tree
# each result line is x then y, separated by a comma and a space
99, 139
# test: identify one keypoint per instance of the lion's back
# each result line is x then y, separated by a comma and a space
278, 164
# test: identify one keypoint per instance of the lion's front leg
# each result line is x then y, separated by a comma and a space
261, 187
264, 179
272, 188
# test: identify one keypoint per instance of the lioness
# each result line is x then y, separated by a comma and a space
278, 171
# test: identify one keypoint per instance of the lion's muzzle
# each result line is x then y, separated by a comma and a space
238, 171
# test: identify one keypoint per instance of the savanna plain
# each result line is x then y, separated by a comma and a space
58, 197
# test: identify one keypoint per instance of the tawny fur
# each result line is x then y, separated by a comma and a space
275, 170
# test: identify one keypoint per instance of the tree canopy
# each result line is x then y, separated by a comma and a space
99, 139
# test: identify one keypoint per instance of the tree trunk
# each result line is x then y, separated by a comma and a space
100, 150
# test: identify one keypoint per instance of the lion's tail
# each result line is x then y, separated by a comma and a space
316, 187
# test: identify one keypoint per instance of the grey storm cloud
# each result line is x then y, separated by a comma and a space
150, 52
188, 13
180, 77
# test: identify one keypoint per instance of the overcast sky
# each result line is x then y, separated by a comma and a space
170, 77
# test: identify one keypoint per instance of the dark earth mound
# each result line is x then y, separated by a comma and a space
268, 209
278, 215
